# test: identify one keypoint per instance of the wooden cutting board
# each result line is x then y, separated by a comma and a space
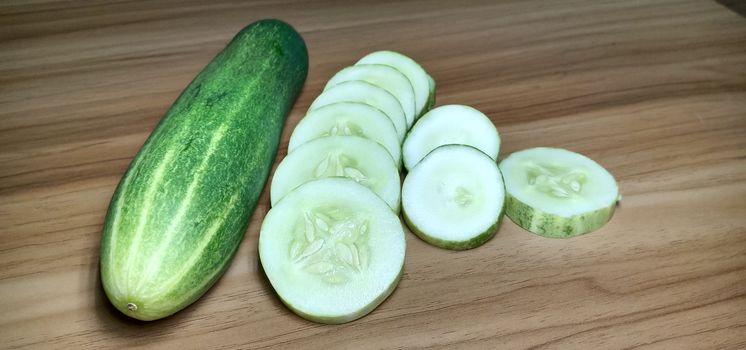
653, 90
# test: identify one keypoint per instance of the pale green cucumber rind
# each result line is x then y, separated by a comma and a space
554, 226
351, 317
471, 243
430, 98
178, 147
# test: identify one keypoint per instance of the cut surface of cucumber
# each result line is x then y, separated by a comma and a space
364, 92
332, 250
354, 157
386, 77
554, 192
450, 124
414, 72
348, 118
454, 197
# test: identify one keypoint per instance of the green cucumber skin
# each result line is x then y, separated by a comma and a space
457, 245
553, 226
430, 98
348, 318
182, 207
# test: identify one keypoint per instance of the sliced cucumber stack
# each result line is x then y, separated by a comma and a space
332, 245
411, 69
554, 192
454, 197
357, 158
450, 124
348, 118
382, 76
363, 92
332, 250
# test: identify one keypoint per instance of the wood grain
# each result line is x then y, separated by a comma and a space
653, 90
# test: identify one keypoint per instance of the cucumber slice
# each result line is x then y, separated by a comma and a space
332, 250
364, 92
409, 68
382, 76
450, 124
348, 118
454, 198
353, 157
554, 192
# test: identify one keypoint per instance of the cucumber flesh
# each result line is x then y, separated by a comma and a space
332, 250
382, 76
348, 118
411, 69
357, 158
454, 198
364, 92
554, 192
450, 124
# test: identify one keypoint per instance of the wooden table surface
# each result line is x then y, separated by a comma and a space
653, 90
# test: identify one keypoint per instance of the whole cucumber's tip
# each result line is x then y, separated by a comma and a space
132, 306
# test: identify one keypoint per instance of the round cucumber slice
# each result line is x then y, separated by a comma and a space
357, 158
382, 76
554, 192
364, 92
332, 250
454, 198
348, 118
409, 68
450, 124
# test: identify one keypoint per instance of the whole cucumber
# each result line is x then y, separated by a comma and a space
182, 207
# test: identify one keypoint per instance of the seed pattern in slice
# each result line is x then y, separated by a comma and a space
345, 119
332, 250
357, 158
454, 198
554, 192
364, 92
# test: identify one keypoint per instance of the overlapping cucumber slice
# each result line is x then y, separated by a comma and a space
450, 124
332, 250
357, 158
454, 197
554, 192
364, 92
386, 77
348, 118
411, 69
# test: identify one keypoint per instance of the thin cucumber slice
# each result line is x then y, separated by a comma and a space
364, 92
431, 95
348, 118
408, 67
454, 198
382, 76
332, 250
354, 157
450, 124
554, 192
